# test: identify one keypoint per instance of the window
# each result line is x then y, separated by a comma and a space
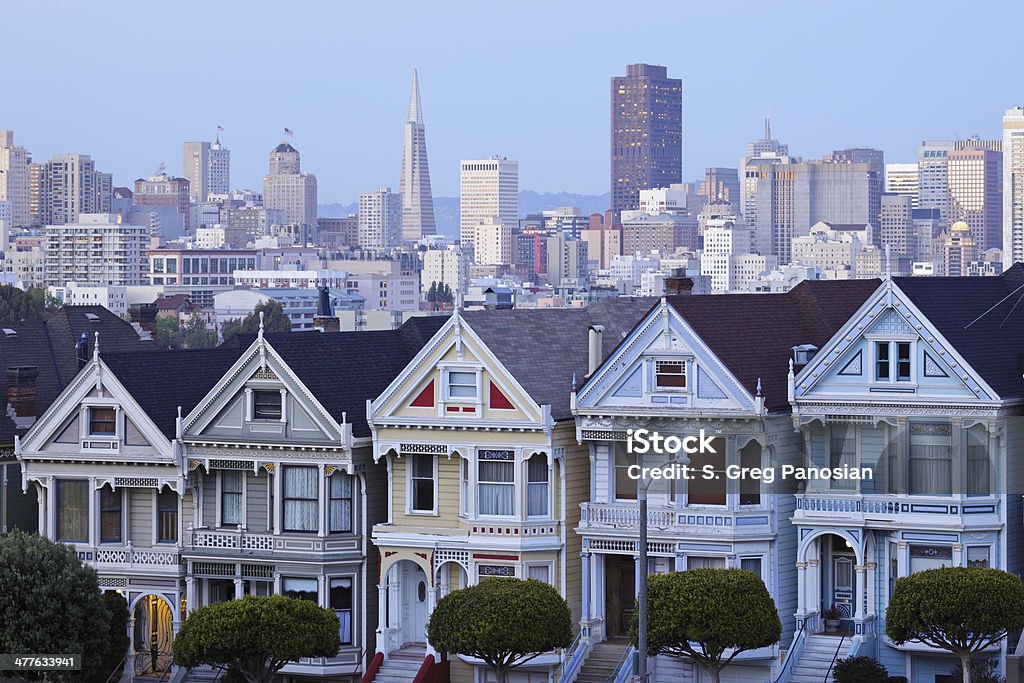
882, 362
931, 465
167, 516
670, 374
422, 482
464, 486
102, 421
903, 361
537, 486
341, 502
625, 486
299, 588
231, 482
540, 572
72, 510
843, 453
751, 564
978, 555
496, 489
930, 557
266, 405
462, 386
708, 491
750, 487
979, 476
110, 515
300, 498
341, 603
700, 562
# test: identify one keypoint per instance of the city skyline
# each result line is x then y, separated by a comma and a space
478, 107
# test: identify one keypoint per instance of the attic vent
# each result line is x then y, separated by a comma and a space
803, 353
92, 317
8, 332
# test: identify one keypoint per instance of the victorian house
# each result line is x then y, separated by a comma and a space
922, 388
711, 365
485, 475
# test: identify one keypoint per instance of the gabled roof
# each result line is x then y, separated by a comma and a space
982, 317
544, 348
50, 346
344, 369
753, 334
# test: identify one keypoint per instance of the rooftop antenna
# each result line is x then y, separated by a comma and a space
888, 265
768, 126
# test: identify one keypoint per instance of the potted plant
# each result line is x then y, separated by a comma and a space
832, 619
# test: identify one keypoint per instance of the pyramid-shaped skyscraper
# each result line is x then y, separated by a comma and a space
414, 184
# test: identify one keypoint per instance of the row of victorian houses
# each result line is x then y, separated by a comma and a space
375, 472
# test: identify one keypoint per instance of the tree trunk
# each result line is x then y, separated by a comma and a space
715, 673
501, 675
965, 664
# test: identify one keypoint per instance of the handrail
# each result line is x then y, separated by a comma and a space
838, 648
117, 668
624, 667
792, 653
359, 662
372, 668
167, 671
571, 659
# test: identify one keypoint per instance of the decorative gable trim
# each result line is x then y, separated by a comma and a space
425, 399
855, 367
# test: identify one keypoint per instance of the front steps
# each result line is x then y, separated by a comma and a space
401, 666
599, 666
819, 650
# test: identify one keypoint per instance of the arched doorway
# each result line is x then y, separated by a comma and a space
413, 609
832, 580
450, 576
152, 635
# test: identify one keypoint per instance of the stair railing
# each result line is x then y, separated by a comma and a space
624, 667
792, 654
834, 657
571, 660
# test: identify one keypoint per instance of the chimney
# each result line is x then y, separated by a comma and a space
677, 284
21, 394
596, 348
802, 355
325, 320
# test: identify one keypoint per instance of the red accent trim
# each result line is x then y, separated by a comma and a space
432, 671
425, 399
373, 668
469, 410
452, 409
486, 556
498, 400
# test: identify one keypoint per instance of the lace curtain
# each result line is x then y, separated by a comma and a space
497, 488
300, 498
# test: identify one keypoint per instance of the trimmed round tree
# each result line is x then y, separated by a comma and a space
503, 622
708, 616
963, 610
50, 603
256, 637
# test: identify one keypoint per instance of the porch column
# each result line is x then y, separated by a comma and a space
190, 596
813, 603
901, 559
382, 624
585, 607
860, 594
431, 604
871, 607
958, 555
801, 588
239, 588
680, 562
43, 512
130, 662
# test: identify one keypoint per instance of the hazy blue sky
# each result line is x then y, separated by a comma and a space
129, 81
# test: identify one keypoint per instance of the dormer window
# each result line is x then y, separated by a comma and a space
670, 374
266, 405
893, 361
102, 421
462, 386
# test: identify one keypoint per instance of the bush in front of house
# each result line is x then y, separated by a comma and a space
860, 670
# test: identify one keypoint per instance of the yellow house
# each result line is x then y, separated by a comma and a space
485, 473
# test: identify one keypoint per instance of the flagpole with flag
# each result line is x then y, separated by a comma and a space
289, 133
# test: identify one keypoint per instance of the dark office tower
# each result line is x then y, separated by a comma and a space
721, 185
647, 133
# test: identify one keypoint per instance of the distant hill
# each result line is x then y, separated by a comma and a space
446, 209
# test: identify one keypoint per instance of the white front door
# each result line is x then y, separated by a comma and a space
414, 603
842, 585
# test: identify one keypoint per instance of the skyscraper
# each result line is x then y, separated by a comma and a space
285, 187
71, 186
414, 183
647, 133
975, 178
933, 180
380, 219
902, 179
196, 169
14, 185
219, 174
722, 185
760, 155
1013, 186
488, 188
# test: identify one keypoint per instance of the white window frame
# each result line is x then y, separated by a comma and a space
987, 546
527, 484
354, 609
99, 515
409, 510
220, 512
754, 556
446, 385
516, 462
549, 565
251, 413
156, 516
685, 362
892, 343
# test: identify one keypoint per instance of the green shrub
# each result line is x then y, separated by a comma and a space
860, 670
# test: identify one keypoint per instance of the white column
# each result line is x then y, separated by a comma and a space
322, 501
93, 504
585, 614
813, 585
680, 562
190, 595
958, 552
859, 596
871, 607
636, 574
51, 508
382, 617
278, 501
43, 497
801, 588
431, 604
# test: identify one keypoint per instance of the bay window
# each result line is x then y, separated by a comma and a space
167, 516
537, 489
231, 482
110, 515
931, 462
843, 453
625, 486
301, 496
341, 502
341, 602
299, 588
979, 468
73, 510
708, 491
496, 488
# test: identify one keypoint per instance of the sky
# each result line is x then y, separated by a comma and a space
128, 82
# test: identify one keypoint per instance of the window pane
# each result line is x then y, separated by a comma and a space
300, 498
903, 361
977, 556
750, 487
73, 511
751, 564
670, 373
540, 572
882, 361
979, 474
423, 466
231, 497
462, 384
167, 512
843, 452
697, 562
625, 486
423, 483
341, 502
303, 589
102, 421
110, 515
703, 491
341, 603
931, 469
496, 488
266, 405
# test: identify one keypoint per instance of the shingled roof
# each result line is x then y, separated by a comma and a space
545, 348
753, 334
50, 346
982, 317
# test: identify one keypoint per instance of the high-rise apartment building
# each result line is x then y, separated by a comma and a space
933, 179
161, 189
488, 189
447, 266
875, 159
380, 219
958, 250
896, 225
71, 186
14, 179
567, 266
975, 183
1013, 186
414, 182
207, 168
219, 174
37, 209
902, 179
646, 133
96, 250
287, 188
492, 242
